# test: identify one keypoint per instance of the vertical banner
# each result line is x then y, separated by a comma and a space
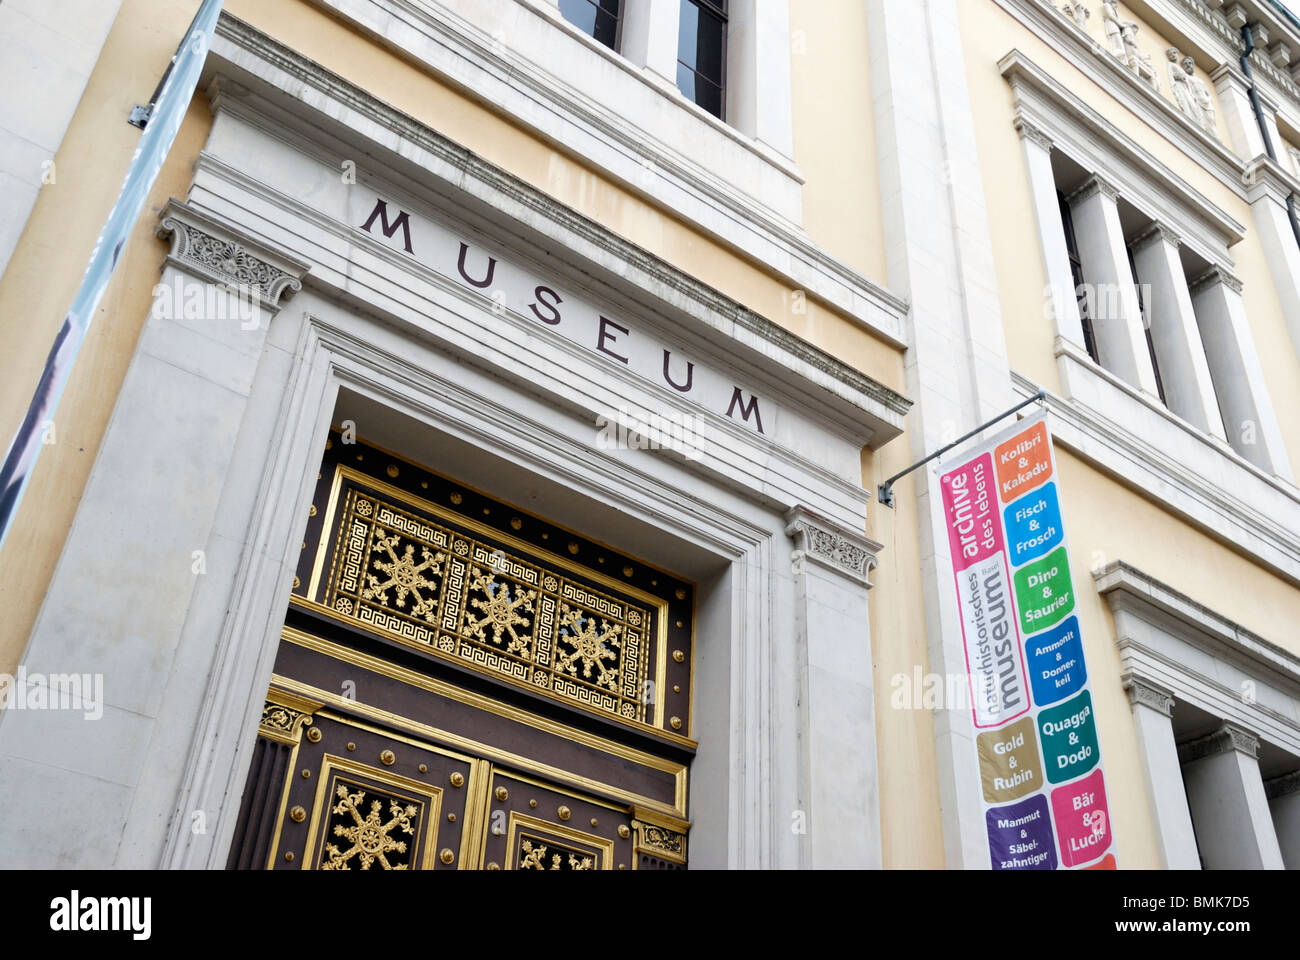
1035, 733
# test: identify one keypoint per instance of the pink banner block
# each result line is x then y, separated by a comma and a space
1082, 820
971, 510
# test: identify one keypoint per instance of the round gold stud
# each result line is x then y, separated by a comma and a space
312, 511
387, 758
679, 624
446, 856
594, 823
296, 583
675, 723
423, 768
456, 498
623, 831
329, 444
451, 818
487, 512
502, 794
313, 735
306, 774
622, 866
677, 688
457, 779
627, 571
681, 594
678, 656
600, 559
392, 470
304, 545
289, 856
546, 536
424, 484
361, 456
494, 866
533, 804
515, 523
298, 814
352, 746
573, 546
562, 813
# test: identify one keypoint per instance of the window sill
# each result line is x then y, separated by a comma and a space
1133, 437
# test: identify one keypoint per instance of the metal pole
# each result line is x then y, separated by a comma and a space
886, 491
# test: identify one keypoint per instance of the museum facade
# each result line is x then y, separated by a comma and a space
476, 460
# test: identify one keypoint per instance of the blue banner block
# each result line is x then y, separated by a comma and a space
1056, 667
1033, 525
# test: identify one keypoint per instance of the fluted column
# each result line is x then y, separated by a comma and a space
1152, 712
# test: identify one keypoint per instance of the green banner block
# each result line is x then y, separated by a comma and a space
1069, 738
1044, 592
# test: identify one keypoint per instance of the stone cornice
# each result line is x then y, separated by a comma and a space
826, 543
213, 252
242, 49
1127, 588
1265, 177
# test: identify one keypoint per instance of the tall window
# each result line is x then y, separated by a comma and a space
597, 18
701, 52
1076, 272
1146, 327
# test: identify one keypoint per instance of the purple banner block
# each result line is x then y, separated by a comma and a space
1020, 836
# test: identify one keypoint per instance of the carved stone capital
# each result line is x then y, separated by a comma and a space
220, 254
1215, 274
1283, 786
1143, 693
1156, 231
1095, 184
1227, 737
820, 541
1030, 131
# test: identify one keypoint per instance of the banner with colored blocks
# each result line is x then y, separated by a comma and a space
1040, 769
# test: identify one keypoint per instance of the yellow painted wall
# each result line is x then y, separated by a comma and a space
834, 132
44, 273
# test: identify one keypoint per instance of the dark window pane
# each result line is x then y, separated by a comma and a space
709, 96
596, 19
606, 29
709, 48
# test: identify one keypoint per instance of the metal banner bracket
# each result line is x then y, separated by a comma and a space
885, 492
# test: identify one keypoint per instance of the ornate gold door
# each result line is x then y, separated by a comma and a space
461, 685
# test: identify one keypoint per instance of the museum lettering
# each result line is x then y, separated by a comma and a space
480, 272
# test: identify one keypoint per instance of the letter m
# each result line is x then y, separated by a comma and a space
746, 409
381, 214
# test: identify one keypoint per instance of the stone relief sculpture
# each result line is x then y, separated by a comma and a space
1201, 95
1181, 86
1121, 41
1114, 30
1076, 11
1139, 62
